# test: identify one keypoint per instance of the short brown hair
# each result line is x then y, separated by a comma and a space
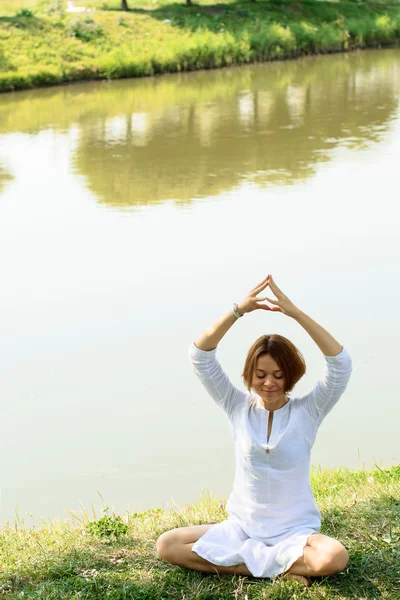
284, 353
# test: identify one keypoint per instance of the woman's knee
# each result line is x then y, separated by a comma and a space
172, 545
164, 545
332, 559
340, 559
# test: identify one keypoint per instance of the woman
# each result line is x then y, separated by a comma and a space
273, 525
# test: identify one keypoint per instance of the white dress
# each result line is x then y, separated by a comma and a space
271, 509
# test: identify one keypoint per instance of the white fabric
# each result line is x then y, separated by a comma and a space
271, 509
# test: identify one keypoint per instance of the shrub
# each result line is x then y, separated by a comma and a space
360, 30
273, 41
305, 35
386, 28
24, 12
328, 37
84, 29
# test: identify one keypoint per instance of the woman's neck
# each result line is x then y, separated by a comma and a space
275, 404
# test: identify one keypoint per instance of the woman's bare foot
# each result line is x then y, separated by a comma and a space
300, 578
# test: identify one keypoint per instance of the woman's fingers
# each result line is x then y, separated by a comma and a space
263, 306
271, 301
261, 282
260, 286
274, 287
271, 308
268, 281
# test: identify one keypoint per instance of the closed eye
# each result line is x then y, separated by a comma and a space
261, 375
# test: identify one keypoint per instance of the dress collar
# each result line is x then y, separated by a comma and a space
260, 406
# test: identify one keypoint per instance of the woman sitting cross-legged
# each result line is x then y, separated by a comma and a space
273, 524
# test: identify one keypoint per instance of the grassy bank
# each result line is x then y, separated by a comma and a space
114, 558
41, 44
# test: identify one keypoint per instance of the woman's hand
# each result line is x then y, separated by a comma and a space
251, 302
210, 339
282, 304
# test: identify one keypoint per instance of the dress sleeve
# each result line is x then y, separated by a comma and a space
330, 387
215, 380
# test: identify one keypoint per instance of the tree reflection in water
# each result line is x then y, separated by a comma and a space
5, 177
200, 134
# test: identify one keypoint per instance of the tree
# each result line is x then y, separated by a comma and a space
125, 5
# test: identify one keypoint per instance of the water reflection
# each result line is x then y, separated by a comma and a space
271, 124
5, 177
201, 134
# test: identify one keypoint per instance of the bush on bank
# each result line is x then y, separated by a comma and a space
47, 46
114, 558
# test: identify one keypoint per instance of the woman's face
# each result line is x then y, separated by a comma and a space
268, 381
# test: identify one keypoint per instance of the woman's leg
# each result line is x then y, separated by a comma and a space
322, 555
175, 547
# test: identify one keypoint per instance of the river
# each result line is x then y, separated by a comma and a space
133, 214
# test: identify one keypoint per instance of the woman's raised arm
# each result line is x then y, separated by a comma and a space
210, 339
338, 365
324, 340
202, 353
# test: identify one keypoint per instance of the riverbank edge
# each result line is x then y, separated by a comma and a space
91, 39
107, 556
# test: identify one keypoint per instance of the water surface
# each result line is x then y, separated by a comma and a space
133, 214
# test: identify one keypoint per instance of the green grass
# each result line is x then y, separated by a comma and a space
12, 7
43, 45
103, 559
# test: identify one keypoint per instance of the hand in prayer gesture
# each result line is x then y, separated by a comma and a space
281, 304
